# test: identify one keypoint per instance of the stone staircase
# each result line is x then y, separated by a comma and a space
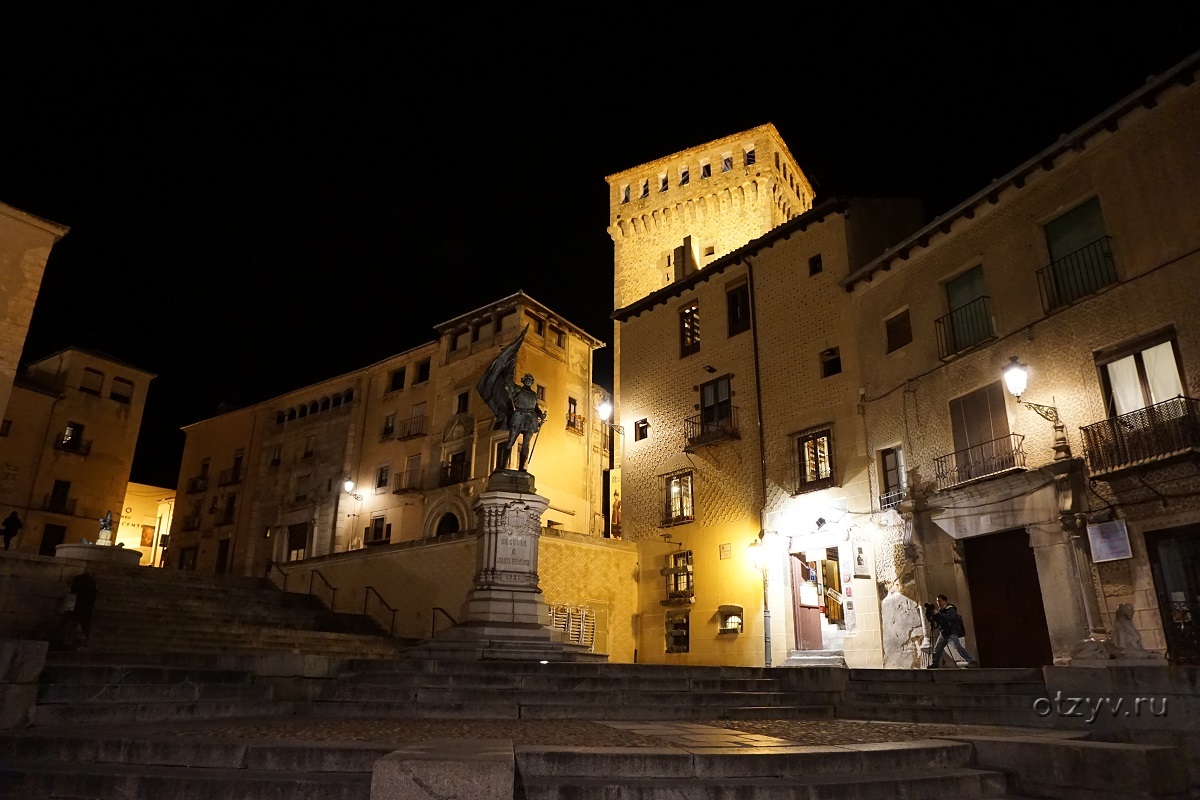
914, 770
574, 690
948, 695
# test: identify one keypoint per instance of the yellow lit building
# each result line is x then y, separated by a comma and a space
146, 521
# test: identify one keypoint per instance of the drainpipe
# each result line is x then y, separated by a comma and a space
762, 451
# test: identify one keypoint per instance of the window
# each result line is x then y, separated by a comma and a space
383, 476
891, 477
462, 402
737, 304
91, 381
500, 454
572, 407
831, 362
625, 194
727, 162
412, 472
389, 425
539, 324
1080, 256
310, 445
560, 337
678, 633
397, 380
899, 331
676, 497
814, 459
121, 391
663, 185
541, 392
646, 187
748, 157
5, 427
72, 437
968, 322
276, 455
685, 176
705, 170
379, 532
715, 403
641, 430
982, 443
689, 330
814, 265
1140, 374
422, 375
297, 541
456, 470
710, 250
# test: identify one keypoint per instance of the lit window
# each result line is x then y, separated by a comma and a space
814, 459
1141, 375
891, 477
676, 491
689, 330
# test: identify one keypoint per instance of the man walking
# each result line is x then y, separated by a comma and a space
12, 526
950, 632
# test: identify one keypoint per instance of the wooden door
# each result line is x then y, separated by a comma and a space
1008, 625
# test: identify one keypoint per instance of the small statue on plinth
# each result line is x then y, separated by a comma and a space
105, 536
515, 406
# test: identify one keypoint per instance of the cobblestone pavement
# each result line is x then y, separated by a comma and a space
579, 733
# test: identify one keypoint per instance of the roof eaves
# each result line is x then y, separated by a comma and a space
1183, 72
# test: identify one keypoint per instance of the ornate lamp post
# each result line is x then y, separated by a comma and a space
1016, 378
605, 410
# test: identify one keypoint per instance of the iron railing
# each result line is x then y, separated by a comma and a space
576, 423
1075, 275
367, 592
230, 477
407, 481
196, 485
891, 499
59, 505
1155, 433
454, 472
964, 327
414, 426
983, 460
711, 427
79, 447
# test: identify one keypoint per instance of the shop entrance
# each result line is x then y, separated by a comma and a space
816, 594
1006, 601
1175, 564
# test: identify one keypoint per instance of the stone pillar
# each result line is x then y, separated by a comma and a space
1066, 617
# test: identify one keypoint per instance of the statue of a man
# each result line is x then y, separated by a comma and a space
515, 406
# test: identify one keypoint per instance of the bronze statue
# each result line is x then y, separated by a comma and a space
515, 406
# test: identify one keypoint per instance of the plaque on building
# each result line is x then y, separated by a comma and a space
1109, 541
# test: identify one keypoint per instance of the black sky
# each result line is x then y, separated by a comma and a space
263, 199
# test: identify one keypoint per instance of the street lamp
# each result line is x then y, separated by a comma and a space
761, 561
1016, 378
605, 410
348, 485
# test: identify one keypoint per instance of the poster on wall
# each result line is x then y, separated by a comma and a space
861, 560
614, 500
1109, 541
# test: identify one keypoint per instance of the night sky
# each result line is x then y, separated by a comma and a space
262, 199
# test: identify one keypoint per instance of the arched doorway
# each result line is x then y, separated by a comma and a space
447, 524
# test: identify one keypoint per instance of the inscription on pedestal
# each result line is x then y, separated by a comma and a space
514, 552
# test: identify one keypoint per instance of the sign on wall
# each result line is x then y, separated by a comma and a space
1109, 541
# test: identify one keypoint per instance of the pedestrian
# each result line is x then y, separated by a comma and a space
12, 526
950, 632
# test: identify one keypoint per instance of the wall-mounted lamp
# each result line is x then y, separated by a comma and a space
1016, 378
760, 558
348, 485
709, 368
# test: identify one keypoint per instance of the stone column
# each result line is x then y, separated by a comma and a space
1066, 618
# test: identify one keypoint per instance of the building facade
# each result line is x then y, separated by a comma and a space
67, 446
392, 453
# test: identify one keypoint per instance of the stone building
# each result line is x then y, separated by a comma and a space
25, 242
391, 453
69, 434
1041, 514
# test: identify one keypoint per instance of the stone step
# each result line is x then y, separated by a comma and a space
57, 780
244, 615
150, 693
913, 785
943, 714
84, 673
505, 682
582, 670
194, 630
949, 674
596, 700
1023, 702
120, 713
867, 688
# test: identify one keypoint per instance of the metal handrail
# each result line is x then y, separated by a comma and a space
271, 565
711, 426
367, 597
433, 619
332, 589
964, 327
987, 458
1078, 274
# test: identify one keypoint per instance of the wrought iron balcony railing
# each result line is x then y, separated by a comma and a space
230, 477
1075, 275
964, 327
998, 456
710, 428
79, 447
454, 473
407, 481
576, 423
59, 505
1153, 434
415, 426
196, 485
891, 499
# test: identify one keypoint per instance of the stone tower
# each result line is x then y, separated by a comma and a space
670, 217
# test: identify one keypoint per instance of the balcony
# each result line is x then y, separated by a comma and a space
197, 485
410, 428
986, 460
191, 523
79, 447
1162, 432
454, 472
230, 477
963, 328
710, 428
891, 499
59, 505
407, 481
576, 423
1089, 269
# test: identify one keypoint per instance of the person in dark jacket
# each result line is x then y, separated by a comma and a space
12, 527
950, 632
